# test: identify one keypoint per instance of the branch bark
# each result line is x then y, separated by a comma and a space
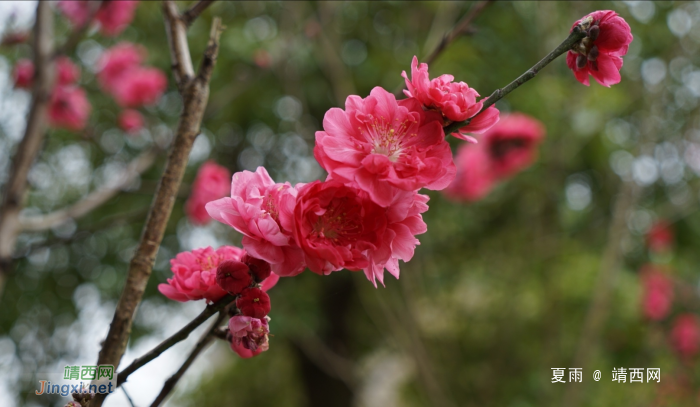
180, 335
93, 200
34, 134
575, 36
193, 12
202, 344
195, 93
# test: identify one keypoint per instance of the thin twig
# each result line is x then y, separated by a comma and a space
93, 200
128, 397
31, 143
202, 344
195, 94
193, 12
576, 35
178, 336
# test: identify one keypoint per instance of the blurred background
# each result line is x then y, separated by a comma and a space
499, 292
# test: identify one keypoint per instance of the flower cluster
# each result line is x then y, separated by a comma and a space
132, 85
506, 149
113, 16
68, 104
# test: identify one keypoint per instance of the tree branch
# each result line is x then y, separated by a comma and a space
575, 36
176, 30
193, 12
93, 200
202, 344
195, 94
180, 335
31, 143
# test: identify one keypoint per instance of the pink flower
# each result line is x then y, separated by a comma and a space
67, 73
262, 211
253, 302
115, 15
69, 108
249, 336
233, 276
194, 274
600, 53
212, 182
685, 335
474, 179
130, 121
398, 241
23, 74
660, 237
382, 145
455, 100
140, 87
512, 143
335, 226
76, 11
657, 294
115, 62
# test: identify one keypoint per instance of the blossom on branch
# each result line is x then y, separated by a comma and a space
115, 62
600, 53
113, 16
23, 74
140, 87
249, 336
685, 335
660, 237
69, 108
131, 121
657, 293
212, 182
262, 211
67, 73
382, 144
233, 276
456, 101
253, 302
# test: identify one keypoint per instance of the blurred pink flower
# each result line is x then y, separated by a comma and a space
67, 73
140, 87
455, 100
685, 335
474, 178
261, 210
249, 336
131, 121
69, 108
512, 143
381, 145
600, 53
657, 293
660, 237
23, 74
194, 274
115, 15
212, 182
115, 62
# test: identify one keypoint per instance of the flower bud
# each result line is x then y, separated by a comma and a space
233, 276
580, 61
593, 53
594, 32
259, 268
253, 302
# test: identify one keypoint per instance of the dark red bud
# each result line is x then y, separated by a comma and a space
593, 53
254, 302
594, 32
580, 61
260, 268
233, 276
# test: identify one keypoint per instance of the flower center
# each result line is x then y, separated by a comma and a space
269, 206
341, 223
388, 138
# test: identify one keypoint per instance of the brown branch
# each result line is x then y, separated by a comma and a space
576, 35
195, 94
179, 336
202, 344
93, 200
31, 143
193, 12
